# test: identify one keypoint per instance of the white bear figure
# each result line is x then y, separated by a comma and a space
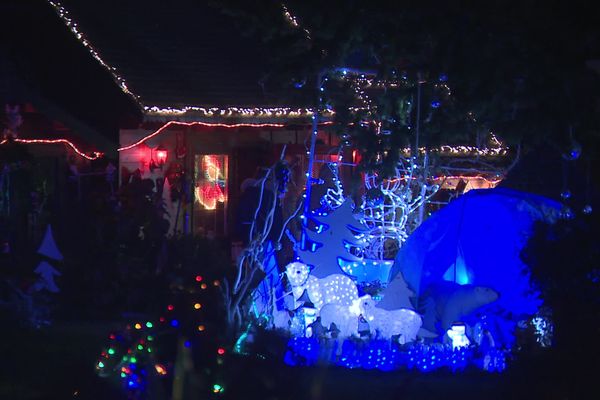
386, 323
344, 317
334, 289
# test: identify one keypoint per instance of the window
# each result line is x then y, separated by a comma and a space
210, 193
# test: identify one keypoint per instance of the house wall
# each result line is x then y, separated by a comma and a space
248, 150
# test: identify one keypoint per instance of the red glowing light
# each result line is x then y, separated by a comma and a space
170, 307
162, 319
198, 278
111, 336
94, 155
161, 156
220, 351
212, 180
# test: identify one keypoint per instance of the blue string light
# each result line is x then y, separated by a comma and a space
384, 355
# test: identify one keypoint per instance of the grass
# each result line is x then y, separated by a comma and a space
54, 363
58, 363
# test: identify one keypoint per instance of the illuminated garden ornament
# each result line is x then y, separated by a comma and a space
46, 273
337, 237
48, 247
333, 289
388, 205
457, 333
387, 323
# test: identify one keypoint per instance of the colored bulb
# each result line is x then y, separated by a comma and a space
138, 326
149, 324
197, 306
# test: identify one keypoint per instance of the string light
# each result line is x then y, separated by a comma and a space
293, 21
74, 28
94, 155
234, 112
387, 217
212, 184
196, 123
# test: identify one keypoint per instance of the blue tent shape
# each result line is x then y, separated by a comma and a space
477, 239
48, 247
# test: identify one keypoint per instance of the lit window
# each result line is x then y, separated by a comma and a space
211, 180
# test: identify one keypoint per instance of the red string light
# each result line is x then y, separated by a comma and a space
207, 124
188, 124
94, 155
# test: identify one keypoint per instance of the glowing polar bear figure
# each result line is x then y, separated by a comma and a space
345, 317
333, 289
387, 323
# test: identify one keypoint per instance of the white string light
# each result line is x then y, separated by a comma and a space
241, 112
387, 219
63, 13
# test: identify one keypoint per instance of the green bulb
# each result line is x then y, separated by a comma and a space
123, 375
140, 347
111, 351
149, 350
101, 364
149, 324
133, 360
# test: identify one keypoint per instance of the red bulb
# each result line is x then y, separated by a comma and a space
161, 156
220, 351
170, 307
198, 278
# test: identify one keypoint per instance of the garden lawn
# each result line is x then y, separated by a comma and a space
56, 362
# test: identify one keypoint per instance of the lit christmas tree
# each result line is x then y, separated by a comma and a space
337, 238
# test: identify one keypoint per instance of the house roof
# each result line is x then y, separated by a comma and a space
173, 55
43, 64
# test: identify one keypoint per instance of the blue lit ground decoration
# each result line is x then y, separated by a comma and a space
384, 355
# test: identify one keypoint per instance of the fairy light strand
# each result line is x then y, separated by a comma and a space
205, 124
64, 14
94, 155
242, 112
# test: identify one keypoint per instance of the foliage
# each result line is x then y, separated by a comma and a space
502, 67
564, 264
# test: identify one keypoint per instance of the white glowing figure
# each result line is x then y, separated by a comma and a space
334, 196
387, 323
387, 219
333, 289
458, 336
345, 317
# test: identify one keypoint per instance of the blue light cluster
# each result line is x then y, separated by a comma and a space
386, 356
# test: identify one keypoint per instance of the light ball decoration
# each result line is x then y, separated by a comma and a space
574, 152
566, 213
587, 210
565, 195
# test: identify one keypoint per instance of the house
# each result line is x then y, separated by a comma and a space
59, 121
208, 123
